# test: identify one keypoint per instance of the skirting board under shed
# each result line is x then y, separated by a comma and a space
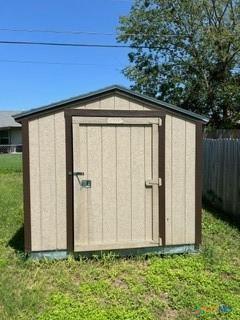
166, 250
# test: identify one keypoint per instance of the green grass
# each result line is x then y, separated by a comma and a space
10, 163
111, 287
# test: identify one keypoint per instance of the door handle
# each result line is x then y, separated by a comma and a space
70, 173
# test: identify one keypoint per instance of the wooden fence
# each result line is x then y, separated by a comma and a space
221, 134
221, 174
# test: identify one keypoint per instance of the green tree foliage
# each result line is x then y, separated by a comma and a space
187, 52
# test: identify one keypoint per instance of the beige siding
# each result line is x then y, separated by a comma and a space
114, 103
124, 183
60, 179
148, 174
81, 159
137, 175
109, 183
180, 181
190, 183
47, 182
36, 227
48, 185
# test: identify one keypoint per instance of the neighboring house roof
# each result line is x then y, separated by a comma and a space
114, 88
7, 120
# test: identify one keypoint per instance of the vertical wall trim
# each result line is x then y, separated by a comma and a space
161, 150
26, 186
198, 184
69, 183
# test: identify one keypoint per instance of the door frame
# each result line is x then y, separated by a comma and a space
68, 114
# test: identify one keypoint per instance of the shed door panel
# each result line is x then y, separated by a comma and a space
119, 210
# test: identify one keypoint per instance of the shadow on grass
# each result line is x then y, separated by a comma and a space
220, 214
17, 241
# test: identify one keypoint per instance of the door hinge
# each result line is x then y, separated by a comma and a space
160, 241
160, 182
150, 183
159, 122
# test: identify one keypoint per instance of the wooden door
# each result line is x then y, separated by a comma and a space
116, 182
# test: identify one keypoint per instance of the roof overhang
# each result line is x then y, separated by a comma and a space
109, 90
11, 127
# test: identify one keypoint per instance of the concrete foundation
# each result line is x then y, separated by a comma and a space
167, 250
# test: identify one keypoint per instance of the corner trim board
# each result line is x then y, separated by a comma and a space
69, 182
26, 187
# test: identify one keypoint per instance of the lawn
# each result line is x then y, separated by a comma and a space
10, 164
173, 287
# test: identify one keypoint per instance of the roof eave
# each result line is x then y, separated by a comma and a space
20, 116
10, 127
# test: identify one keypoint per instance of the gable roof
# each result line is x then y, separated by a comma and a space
114, 89
7, 120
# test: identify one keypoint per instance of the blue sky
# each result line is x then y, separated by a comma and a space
27, 85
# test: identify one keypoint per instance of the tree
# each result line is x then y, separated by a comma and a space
187, 52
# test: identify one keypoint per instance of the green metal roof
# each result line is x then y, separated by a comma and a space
114, 88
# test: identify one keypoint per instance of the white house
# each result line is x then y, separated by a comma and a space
10, 133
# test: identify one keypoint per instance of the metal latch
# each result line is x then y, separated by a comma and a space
150, 183
86, 183
75, 173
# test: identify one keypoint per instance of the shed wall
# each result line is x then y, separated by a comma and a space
48, 181
180, 181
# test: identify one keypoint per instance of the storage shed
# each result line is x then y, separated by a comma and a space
111, 170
